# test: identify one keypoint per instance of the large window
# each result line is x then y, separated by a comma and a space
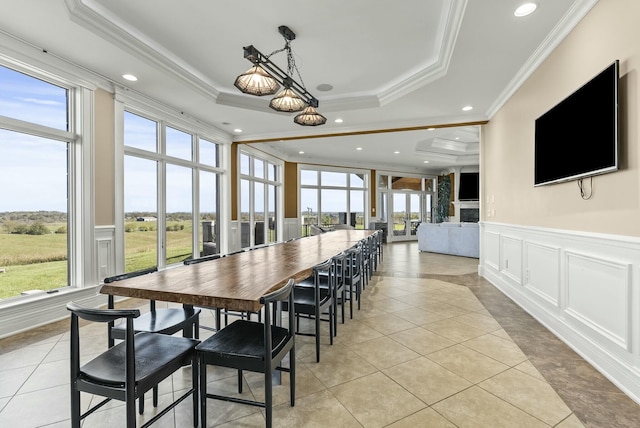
330, 198
170, 191
38, 149
259, 190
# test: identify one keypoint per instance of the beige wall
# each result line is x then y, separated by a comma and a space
104, 158
610, 31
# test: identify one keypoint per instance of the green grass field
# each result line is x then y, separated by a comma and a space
38, 262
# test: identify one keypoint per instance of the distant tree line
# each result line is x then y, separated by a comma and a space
30, 217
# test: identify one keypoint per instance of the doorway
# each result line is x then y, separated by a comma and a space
406, 214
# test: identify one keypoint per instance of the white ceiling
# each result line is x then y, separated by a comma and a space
397, 68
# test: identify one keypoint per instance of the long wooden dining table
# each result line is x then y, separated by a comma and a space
238, 281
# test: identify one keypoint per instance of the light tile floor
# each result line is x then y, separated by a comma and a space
434, 345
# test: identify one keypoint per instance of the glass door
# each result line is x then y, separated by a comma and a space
406, 215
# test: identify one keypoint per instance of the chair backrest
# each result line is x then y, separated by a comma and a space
354, 264
316, 230
339, 268
270, 300
105, 316
122, 276
191, 261
234, 252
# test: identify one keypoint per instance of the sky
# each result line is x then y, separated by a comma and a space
35, 177
33, 173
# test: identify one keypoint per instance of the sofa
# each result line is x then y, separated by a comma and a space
458, 239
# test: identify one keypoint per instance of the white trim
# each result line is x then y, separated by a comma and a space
589, 298
45, 308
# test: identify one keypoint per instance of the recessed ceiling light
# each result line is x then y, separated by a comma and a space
431, 129
237, 130
300, 152
525, 9
338, 120
467, 108
324, 87
396, 152
130, 77
358, 148
426, 161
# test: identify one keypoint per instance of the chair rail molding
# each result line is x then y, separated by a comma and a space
582, 286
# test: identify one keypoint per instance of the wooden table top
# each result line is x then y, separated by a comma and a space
237, 282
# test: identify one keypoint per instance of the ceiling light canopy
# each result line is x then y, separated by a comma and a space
265, 78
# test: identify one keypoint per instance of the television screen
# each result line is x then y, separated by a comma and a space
579, 137
469, 189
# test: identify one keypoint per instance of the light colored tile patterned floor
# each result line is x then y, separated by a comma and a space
422, 351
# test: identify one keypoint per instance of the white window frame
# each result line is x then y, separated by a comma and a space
164, 116
366, 188
278, 183
25, 312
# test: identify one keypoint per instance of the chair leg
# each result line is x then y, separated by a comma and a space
155, 396
218, 319
332, 324
194, 384
130, 406
351, 302
292, 375
141, 404
268, 399
335, 314
317, 320
240, 381
75, 408
203, 392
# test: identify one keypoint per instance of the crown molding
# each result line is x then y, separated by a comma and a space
568, 22
97, 19
101, 22
449, 34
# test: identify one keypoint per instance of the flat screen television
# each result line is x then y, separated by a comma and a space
579, 137
469, 189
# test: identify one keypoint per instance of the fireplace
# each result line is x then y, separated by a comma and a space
470, 215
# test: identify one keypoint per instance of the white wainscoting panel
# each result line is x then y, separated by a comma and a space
542, 271
584, 287
292, 228
106, 251
511, 250
598, 295
491, 249
234, 237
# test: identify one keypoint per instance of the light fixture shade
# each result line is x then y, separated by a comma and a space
288, 101
310, 117
256, 81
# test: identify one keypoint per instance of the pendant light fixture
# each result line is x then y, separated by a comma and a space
265, 78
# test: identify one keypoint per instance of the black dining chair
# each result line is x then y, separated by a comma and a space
241, 314
252, 346
353, 276
127, 370
191, 261
313, 302
163, 321
333, 278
